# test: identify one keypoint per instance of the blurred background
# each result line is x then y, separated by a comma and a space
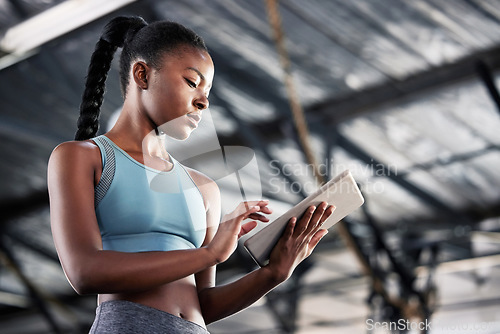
401, 92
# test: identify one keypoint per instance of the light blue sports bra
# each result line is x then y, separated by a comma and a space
140, 209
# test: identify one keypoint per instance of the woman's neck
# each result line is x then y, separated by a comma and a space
134, 133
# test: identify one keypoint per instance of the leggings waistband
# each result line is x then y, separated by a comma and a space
125, 317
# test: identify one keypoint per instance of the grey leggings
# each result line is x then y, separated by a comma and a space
124, 317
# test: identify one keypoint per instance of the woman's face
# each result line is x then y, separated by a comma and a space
177, 93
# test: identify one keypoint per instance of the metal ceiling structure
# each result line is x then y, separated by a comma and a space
402, 92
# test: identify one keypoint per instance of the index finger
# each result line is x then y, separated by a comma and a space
261, 203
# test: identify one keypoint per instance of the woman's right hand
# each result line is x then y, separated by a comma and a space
230, 229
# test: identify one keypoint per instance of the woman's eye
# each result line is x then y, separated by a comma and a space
190, 83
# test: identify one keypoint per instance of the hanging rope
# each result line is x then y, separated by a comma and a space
409, 309
295, 106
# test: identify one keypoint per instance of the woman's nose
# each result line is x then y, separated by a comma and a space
201, 103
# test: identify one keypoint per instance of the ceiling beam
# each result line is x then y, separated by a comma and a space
338, 109
360, 154
7, 258
335, 110
15, 207
16, 300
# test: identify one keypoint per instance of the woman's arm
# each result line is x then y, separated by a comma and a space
297, 242
222, 301
89, 268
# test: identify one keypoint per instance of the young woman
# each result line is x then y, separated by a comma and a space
151, 255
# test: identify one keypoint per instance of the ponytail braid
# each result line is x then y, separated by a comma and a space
114, 35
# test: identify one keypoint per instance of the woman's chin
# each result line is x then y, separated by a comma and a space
177, 132
179, 135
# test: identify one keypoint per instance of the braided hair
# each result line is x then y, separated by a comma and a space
139, 41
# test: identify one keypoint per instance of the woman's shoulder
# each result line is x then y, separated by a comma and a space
208, 188
77, 153
201, 179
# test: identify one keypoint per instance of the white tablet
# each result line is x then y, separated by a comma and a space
341, 191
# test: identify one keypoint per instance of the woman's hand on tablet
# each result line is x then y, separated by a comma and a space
298, 240
231, 228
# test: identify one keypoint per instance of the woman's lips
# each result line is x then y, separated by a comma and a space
194, 118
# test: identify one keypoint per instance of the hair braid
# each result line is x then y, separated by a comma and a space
93, 95
114, 35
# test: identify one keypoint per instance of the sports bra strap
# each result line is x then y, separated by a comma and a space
108, 168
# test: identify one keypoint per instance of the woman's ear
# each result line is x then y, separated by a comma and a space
140, 71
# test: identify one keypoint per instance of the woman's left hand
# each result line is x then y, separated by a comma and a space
298, 241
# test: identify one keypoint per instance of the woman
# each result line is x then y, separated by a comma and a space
151, 255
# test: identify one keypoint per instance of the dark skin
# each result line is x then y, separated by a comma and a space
180, 282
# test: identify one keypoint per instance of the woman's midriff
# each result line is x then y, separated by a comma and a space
179, 298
